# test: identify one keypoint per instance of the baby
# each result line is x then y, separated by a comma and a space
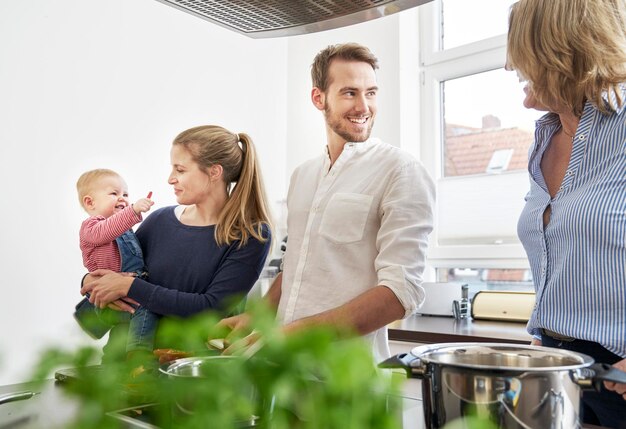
108, 242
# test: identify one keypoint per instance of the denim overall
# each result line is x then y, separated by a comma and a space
130, 252
143, 322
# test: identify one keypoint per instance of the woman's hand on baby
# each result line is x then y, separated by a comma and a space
142, 205
127, 304
90, 278
107, 287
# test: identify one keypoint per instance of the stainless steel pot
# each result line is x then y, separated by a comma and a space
193, 376
511, 386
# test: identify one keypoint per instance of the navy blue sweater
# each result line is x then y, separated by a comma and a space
188, 271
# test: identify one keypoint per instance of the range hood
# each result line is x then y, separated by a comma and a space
276, 18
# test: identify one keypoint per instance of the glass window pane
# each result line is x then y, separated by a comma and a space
468, 21
488, 278
487, 128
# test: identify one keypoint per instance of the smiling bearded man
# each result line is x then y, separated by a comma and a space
352, 91
359, 215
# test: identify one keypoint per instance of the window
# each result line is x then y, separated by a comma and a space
475, 135
500, 160
470, 21
488, 278
486, 127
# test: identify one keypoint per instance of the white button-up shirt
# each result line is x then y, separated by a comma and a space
362, 223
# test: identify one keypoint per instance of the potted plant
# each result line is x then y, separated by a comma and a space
319, 378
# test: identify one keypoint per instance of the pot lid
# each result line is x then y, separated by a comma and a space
197, 367
499, 356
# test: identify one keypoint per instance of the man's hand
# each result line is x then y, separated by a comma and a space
244, 346
236, 324
239, 325
618, 387
535, 342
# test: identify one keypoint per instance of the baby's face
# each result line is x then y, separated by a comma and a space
109, 196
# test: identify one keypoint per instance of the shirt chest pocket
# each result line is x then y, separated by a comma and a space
345, 217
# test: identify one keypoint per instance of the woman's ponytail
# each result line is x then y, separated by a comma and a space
246, 212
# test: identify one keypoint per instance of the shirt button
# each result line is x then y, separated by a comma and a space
568, 172
581, 137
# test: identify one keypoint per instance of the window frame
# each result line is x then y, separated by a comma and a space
437, 66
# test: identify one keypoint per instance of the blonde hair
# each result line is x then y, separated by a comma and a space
88, 179
346, 52
570, 51
246, 210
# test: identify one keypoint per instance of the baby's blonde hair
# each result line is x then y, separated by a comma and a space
88, 179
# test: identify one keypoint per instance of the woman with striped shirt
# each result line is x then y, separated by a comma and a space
572, 53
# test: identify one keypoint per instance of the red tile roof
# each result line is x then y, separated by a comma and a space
469, 150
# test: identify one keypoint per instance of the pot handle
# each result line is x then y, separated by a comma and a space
406, 361
606, 372
599, 372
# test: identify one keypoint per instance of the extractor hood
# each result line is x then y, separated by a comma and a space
276, 18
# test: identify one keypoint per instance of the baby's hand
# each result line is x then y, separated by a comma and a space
142, 205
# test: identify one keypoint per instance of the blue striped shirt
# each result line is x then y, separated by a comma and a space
578, 260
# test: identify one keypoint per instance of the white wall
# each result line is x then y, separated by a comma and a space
86, 83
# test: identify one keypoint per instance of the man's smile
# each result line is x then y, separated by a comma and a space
358, 120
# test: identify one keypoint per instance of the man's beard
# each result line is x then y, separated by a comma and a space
339, 128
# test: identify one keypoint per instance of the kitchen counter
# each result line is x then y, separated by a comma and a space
439, 329
52, 409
